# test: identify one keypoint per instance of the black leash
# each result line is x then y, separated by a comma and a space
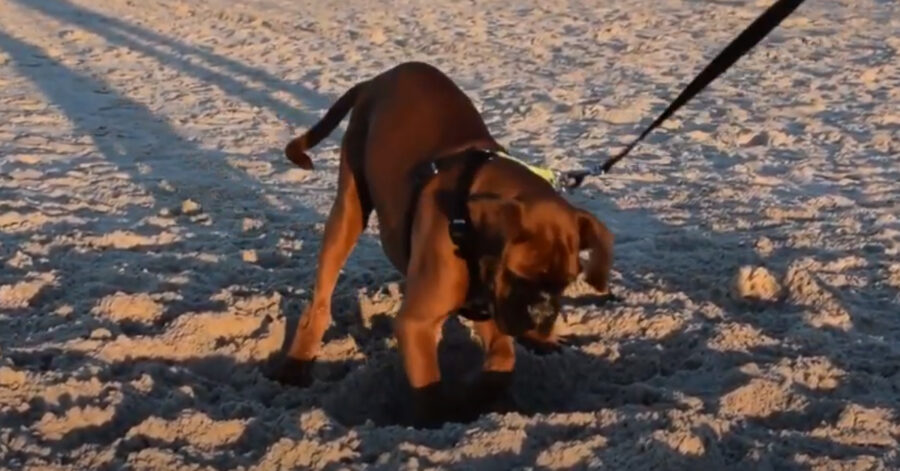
749, 38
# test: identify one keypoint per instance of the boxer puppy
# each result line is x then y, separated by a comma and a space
522, 237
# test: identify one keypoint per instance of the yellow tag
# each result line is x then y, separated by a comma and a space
544, 173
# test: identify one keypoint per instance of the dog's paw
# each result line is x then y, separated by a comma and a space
490, 392
432, 406
291, 371
461, 403
543, 346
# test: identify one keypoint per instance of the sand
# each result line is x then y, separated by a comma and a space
155, 245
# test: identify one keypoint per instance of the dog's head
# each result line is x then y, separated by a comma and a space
536, 258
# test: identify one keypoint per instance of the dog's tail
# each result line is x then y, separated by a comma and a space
296, 149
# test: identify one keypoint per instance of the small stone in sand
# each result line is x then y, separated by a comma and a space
190, 206
20, 295
756, 283
12, 378
295, 175
20, 260
203, 219
753, 139
764, 246
65, 310
249, 256
250, 224
121, 307
101, 334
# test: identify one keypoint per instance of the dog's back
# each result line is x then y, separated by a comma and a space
400, 118
419, 114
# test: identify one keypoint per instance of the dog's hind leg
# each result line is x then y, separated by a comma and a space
346, 221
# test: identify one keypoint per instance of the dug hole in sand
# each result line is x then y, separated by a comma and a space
155, 244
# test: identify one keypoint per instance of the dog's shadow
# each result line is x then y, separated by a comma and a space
374, 390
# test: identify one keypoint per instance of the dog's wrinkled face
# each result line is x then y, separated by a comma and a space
539, 258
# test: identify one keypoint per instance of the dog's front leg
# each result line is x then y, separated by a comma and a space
431, 296
436, 285
418, 341
496, 373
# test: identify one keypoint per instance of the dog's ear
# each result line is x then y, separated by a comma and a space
504, 215
596, 238
510, 214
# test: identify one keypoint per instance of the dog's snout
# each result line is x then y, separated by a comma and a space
542, 310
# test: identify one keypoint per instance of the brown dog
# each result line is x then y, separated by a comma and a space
516, 241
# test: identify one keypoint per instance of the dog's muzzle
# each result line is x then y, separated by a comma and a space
528, 298
542, 311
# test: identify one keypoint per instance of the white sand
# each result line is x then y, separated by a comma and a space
154, 242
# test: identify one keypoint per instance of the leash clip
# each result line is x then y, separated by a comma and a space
573, 179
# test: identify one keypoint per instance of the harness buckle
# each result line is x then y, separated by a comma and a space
458, 228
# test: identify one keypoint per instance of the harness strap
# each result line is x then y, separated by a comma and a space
460, 221
461, 232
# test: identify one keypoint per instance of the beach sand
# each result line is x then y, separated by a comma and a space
155, 244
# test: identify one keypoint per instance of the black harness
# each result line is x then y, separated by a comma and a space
456, 207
